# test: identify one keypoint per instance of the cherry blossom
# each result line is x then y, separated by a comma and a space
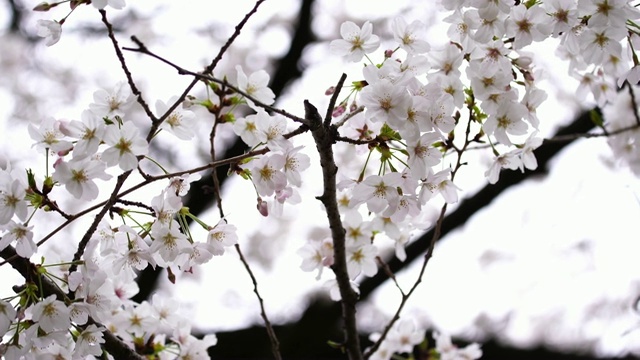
509, 160
12, 195
385, 102
405, 115
507, 120
438, 183
137, 254
49, 137
88, 132
463, 24
294, 163
355, 42
50, 30
267, 174
361, 259
379, 192
51, 314
404, 335
114, 103
125, 145
78, 176
169, 242
410, 37
249, 127
180, 122
527, 25
88, 342
180, 185
220, 236
23, 236
564, 15
491, 25
423, 155
316, 255
256, 86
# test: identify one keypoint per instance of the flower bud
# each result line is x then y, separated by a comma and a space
43, 6
524, 61
262, 207
338, 110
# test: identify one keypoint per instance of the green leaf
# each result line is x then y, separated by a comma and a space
596, 118
387, 133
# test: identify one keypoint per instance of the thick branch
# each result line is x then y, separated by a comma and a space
324, 138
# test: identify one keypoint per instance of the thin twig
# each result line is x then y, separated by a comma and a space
209, 68
151, 179
125, 68
201, 76
634, 103
334, 98
94, 225
275, 345
355, 112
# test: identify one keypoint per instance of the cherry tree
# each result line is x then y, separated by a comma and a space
104, 203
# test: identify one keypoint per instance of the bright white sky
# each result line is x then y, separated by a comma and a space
557, 256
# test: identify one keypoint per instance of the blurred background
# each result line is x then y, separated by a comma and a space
541, 265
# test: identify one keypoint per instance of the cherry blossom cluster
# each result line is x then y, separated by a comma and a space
104, 281
597, 37
407, 123
275, 175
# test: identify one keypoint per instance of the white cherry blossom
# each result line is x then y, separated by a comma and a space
51, 314
220, 236
355, 42
50, 30
78, 177
181, 122
22, 235
410, 36
256, 86
114, 103
125, 144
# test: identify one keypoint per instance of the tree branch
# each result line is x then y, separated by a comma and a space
324, 137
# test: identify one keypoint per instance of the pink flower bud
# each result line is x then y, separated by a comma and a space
262, 207
338, 110
330, 91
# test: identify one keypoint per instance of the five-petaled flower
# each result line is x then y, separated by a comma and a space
355, 42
